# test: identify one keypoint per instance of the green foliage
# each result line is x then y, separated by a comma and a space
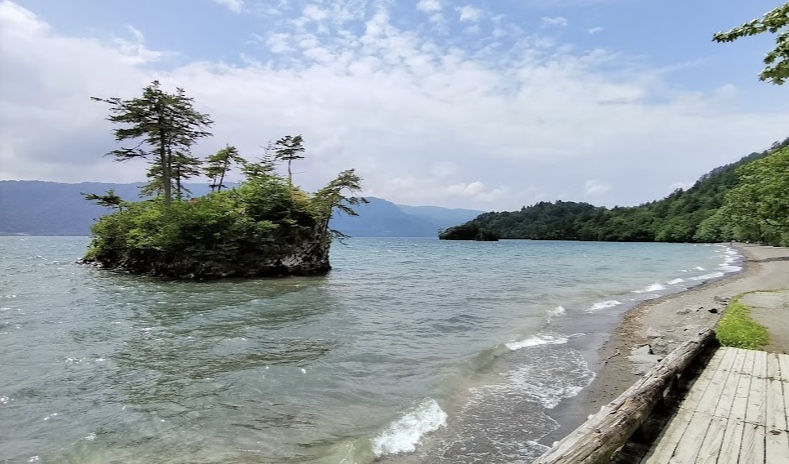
165, 127
736, 328
219, 164
745, 201
289, 148
775, 21
182, 167
468, 231
332, 198
109, 199
759, 205
262, 168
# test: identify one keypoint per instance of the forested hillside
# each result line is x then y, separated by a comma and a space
718, 207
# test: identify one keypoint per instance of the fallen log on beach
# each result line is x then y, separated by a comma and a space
600, 437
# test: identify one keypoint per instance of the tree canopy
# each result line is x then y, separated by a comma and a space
760, 203
775, 21
165, 126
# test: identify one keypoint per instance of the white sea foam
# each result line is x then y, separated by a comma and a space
536, 340
565, 378
730, 268
699, 268
652, 288
555, 312
675, 281
404, 434
729, 263
713, 275
603, 305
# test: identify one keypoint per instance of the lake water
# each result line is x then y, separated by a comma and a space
410, 350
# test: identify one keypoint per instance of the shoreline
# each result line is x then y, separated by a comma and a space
663, 323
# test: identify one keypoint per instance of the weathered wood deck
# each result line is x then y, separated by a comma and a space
735, 412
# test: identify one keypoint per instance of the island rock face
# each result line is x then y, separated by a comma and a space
305, 258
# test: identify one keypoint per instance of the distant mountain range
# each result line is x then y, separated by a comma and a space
51, 208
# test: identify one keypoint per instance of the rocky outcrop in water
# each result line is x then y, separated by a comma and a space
308, 257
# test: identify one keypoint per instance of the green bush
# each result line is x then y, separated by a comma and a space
737, 329
233, 232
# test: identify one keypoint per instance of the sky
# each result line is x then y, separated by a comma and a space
489, 105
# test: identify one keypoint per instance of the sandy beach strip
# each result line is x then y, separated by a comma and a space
665, 322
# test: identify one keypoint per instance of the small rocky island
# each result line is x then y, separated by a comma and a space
264, 227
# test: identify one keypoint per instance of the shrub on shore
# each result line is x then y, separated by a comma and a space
737, 329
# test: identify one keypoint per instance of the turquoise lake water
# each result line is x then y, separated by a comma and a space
410, 350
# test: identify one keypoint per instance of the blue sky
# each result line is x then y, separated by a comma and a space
489, 105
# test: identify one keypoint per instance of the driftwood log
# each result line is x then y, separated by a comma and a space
597, 439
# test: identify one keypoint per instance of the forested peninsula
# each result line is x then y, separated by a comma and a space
266, 226
745, 201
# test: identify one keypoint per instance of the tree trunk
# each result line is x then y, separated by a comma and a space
164, 159
222, 176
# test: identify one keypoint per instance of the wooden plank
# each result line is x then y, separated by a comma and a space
784, 364
776, 446
689, 445
708, 402
756, 413
732, 441
777, 438
752, 447
729, 392
783, 360
666, 443
696, 392
740, 406
713, 441
776, 415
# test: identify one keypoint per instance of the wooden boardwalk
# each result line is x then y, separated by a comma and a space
734, 413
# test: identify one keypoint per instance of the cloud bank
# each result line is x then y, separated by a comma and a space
495, 122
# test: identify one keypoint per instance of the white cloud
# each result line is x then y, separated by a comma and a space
424, 122
138, 35
593, 187
429, 6
469, 13
558, 21
466, 190
315, 13
279, 42
236, 6
595, 30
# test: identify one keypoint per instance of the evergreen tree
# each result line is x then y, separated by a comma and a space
182, 167
109, 199
165, 124
288, 149
218, 165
